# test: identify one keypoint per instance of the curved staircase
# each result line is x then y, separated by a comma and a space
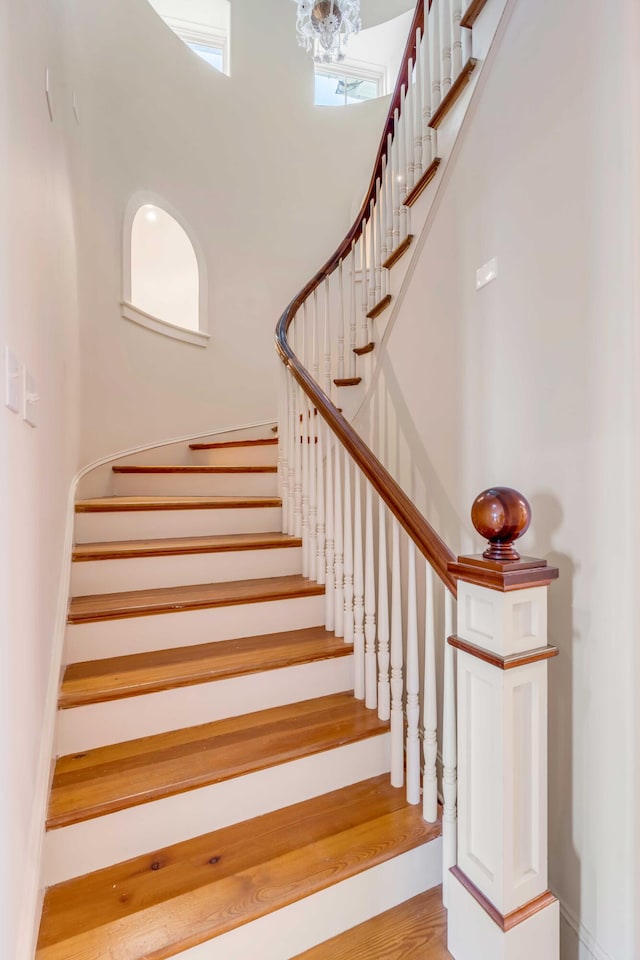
219, 792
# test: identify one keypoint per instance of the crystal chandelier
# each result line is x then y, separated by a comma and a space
324, 26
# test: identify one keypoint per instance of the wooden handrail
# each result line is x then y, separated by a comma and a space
417, 527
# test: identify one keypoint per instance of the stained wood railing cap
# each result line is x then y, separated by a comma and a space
502, 515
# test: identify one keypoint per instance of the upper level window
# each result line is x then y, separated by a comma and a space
339, 84
162, 284
204, 27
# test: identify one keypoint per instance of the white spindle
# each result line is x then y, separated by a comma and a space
327, 339
371, 666
410, 127
339, 543
320, 542
390, 194
436, 59
348, 573
428, 135
379, 290
283, 446
449, 751
397, 174
353, 313
340, 322
297, 494
329, 590
456, 38
404, 211
313, 496
445, 46
384, 690
372, 260
358, 578
412, 682
304, 443
397, 717
430, 707
292, 437
384, 224
314, 355
364, 291
417, 92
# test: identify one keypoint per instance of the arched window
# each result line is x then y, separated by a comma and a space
163, 274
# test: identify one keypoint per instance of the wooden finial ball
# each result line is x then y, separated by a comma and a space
501, 515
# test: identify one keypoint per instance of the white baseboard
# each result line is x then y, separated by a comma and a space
585, 946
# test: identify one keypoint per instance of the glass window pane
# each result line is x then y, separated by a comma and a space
327, 90
212, 55
358, 90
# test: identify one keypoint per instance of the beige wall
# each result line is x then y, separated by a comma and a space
38, 320
264, 180
530, 383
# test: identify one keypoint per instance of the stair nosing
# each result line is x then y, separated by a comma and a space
181, 546
194, 469
149, 504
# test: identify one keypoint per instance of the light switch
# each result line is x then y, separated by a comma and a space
12, 381
486, 273
31, 398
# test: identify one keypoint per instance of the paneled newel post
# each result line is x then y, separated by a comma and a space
500, 907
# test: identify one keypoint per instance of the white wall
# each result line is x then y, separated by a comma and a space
530, 383
382, 45
264, 179
38, 319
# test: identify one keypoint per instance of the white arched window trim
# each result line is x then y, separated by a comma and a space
200, 337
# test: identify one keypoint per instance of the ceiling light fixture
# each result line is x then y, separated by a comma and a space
324, 27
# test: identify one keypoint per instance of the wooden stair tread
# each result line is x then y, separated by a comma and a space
116, 504
190, 468
423, 182
97, 681
229, 444
123, 775
379, 307
361, 351
166, 901
414, 930
347, 381
472, 13
452, 95
178, 546
141, 603
399, 251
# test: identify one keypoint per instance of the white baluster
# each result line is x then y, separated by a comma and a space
397, 176
449, 751
339, 543
329, 590
297, 494
304, 443
417, 91
371, 666
435, 55
364, 292
384, 226
283, 446
410, 127
327, 339
320, 543
314, 357
428, 135
340, 322
292, 436
430, 708
358, 582
412, 682
348, 572
313, 496
445, 46
397, 718
456, 38
379, 292
372, 261
353, 313
390, 196
404, 211
384, 690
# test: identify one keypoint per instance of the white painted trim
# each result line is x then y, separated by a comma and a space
207, 36
163, 327
588, 941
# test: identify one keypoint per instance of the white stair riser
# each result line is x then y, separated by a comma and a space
116, 638
96, 725
157, 524
304, 924
83, 847
195, 485
263, 456
146, 573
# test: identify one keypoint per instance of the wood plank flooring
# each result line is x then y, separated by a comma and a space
97, 681
141, 603
122, 775
178, 546
415, 930
158, 904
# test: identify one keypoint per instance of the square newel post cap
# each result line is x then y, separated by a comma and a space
502, 515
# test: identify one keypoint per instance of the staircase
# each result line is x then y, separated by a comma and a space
219, 792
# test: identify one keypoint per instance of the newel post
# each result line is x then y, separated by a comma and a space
500, 907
